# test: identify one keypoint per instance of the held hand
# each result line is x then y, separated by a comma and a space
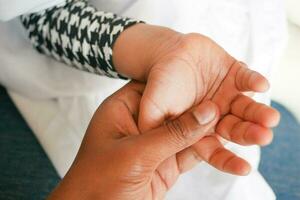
193, 69
196, 69
116, 162
183, 70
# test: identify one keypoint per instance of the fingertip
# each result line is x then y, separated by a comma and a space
245, 169
259, 135
271, 117
258, 83
268, 140
276, 118
238, 166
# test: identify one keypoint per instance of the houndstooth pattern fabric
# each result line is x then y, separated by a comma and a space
78, 35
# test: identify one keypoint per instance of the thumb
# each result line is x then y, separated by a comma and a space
160, 143
164, 98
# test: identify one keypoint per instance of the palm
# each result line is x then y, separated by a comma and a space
202, 70
119, 115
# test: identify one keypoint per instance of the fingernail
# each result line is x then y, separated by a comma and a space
205, 113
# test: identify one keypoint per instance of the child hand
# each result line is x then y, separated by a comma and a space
197, 69
182, 70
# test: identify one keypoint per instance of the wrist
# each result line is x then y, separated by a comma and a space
137, 48
77, 184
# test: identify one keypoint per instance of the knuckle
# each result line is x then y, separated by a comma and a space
179, 131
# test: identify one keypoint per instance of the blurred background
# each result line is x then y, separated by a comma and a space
286, 79
280, 163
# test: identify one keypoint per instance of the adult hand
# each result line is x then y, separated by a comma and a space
116, 161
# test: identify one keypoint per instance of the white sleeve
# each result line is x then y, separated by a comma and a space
10, 9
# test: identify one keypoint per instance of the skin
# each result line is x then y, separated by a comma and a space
116, 161
183, 70
128, 154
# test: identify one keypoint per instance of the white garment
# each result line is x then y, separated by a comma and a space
293, 13
58, 101
13, 8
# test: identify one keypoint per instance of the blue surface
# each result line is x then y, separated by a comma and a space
280, 163
26, 172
